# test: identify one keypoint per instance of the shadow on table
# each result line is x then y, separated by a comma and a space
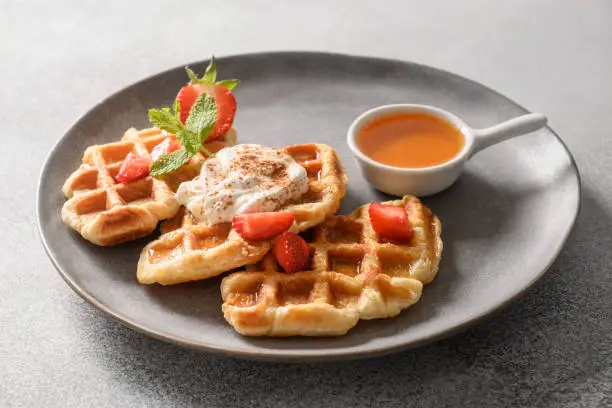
541, 351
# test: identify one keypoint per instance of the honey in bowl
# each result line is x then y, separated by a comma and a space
410, 140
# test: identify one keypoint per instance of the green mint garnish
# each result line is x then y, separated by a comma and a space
170, 162
192, 135
189, 140
200, 122
165, 120
202, 117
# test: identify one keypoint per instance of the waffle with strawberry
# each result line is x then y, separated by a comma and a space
368, 265
112, 196
123, 189
186, 253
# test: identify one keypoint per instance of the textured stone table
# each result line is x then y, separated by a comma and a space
551, 348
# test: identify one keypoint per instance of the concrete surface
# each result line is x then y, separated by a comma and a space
551, 348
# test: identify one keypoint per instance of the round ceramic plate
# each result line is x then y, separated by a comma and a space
504, 222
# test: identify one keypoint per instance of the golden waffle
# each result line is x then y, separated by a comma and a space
189, 251
352, 275
177, 256
327, 182
106, 212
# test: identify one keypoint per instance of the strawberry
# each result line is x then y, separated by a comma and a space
186, 97
226, 110
291, 252
259, 226
168, 145
225, 101
390, 222
133, 168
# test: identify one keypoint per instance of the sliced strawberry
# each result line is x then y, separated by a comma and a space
186, 98
226, 106
168, 145
291, 252
390, 222
258, 226
226, 110
134, 167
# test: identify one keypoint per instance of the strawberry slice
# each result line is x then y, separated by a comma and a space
291, 252
390, 222
259, 226
186, 98
226, 110
168, 145
225, 101
134, 167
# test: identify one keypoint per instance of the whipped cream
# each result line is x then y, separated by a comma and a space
242, 179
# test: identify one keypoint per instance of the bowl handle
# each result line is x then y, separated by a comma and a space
484, 138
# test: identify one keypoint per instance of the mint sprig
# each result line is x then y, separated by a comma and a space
200, 122
192, 135
189, 140
170, 162
165, 120
202, 117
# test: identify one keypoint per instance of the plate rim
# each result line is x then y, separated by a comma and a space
282, 354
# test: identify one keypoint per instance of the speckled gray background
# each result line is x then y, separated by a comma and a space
551, 348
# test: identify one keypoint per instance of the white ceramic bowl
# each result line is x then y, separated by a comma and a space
425, 181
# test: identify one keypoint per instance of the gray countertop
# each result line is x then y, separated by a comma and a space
551, 348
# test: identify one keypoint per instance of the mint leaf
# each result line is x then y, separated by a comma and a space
165, 120
167, 163
192, 75
229, 83
189, 140
202, 117
210, 75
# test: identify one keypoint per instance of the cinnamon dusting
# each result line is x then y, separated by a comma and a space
246, 178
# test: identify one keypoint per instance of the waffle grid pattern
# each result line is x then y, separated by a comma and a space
327, 183
106, 212
189, 251
352, 275
173, 258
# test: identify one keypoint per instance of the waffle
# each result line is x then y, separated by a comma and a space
189, 251
351, 275
106, 212
177, 256
327, 183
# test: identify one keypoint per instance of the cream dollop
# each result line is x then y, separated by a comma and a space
243, 179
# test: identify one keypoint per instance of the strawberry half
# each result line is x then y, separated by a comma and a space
186, 98
390, 222
291, 252
259, 226
226, 110
225, 101
134, 167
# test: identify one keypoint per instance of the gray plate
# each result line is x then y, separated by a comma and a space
504, 222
